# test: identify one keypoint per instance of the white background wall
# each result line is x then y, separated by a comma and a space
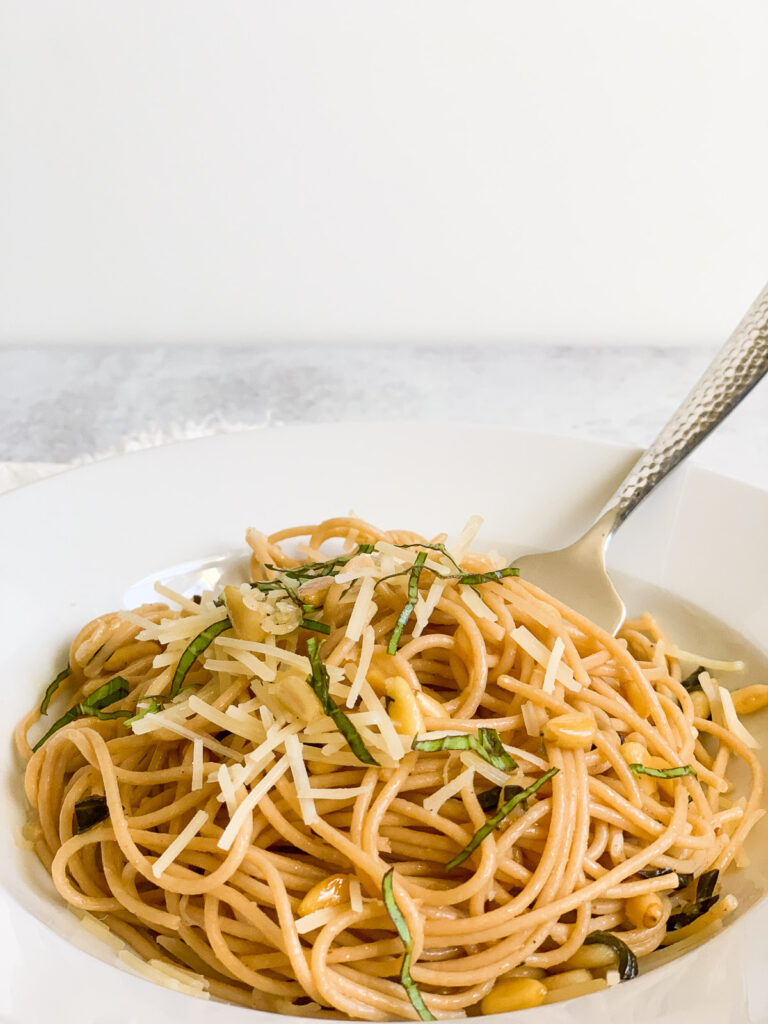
440, 170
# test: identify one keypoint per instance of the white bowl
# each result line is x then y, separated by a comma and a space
74, 546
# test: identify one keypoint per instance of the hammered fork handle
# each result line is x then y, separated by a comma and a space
732, 374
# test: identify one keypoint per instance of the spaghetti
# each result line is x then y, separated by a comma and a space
395, 782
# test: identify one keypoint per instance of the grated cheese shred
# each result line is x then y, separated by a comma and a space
180, 843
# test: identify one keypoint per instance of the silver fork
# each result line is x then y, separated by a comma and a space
577, 574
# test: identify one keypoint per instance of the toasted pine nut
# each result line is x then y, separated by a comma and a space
665, 785
327, 893
700, 703
245, 621
514, 994
572, 731
644, 911
295, 698
749, 699
638, 698
566, 978
633, 753
404, 710
596, 955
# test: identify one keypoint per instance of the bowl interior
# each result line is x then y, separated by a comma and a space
695, 554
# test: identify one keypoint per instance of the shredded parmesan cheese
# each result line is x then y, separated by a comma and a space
363, 664
271, 650
361, 612
180, 843
295, 754
525, 639
700, 659
437, 799
425, 606
476, 604
152, 722
252, 730
732, 722
553, 664
355, 896
197, 764
100, 931
481, 766
316, 919
460, 546
531, 718
246, 807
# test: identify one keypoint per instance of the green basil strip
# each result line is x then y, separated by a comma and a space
151, 709
683, 879
628, 968
664, 773
315, 626
487, 744
472, 579
691, 682
705, 898
498, 817
436, 547
313, 570
52, 689
690, 912
89, 812
705, 887
320, 684
108, 693
413, 593
410, 986
491, 798
201, 642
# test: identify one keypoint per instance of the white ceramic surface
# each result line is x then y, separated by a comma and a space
74, 546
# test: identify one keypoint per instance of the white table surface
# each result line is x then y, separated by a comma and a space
68, 403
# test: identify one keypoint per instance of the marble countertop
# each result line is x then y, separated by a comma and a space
62, 403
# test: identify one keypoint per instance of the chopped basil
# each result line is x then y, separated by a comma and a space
691, 682
705, 898
200, 643
403, 931
473, 579
313, 570
413, 593
435, 547
52, 689
315, 626
89, 812
690, 912
487, 744
628, 968
706, 885
490, 799
664, 773
319, 682
498, 817
151, 709
108, 693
